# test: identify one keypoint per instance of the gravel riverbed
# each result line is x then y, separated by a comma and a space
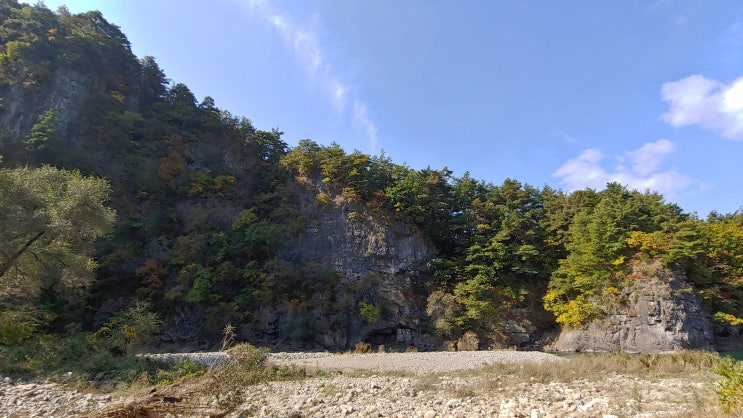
413, 362
428, 385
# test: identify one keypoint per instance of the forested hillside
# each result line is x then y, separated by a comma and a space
208, 211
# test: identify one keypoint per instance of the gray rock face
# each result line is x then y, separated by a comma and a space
378, 263
661, 313
66, 92
357, 244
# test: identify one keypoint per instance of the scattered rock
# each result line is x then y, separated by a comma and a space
390, 395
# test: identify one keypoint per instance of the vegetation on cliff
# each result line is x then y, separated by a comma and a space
205, 203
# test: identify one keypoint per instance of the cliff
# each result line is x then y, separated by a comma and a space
380, 267
220, 223
659, 312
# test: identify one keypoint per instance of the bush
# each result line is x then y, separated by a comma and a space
369, 313
362, 347
16, 327
730, 388
248, 367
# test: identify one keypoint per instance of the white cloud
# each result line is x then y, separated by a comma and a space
359, 111
583, 171
586, 170
697, 100
307, 48
648, 158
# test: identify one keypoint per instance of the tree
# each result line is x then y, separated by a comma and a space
42, 132
718, 273
153, 83
602, 239
50, 219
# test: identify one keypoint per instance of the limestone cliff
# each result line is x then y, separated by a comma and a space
380, 266
659, 313
65, 91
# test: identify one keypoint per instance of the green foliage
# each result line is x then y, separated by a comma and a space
207, 204
444, 311
85, 356
480, 301
51, 220
177, 372
369, 313
16, 327
718, 271
599, 243
730, 388
134, 326
43, 132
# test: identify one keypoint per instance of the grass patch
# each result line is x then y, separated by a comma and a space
190, 390
596, 366
635, 383
86, 362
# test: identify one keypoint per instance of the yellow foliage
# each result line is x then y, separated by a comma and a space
324, 199
482, 227
726, 317
611, 290
117, 96
351, 195
573, 313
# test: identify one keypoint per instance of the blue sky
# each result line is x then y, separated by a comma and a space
570, 94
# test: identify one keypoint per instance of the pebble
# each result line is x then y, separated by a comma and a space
46, 399
416, 394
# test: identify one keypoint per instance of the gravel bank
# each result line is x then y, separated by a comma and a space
19, 400
427, 385
474, 397
416, 363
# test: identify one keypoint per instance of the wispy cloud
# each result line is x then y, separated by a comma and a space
638, 169
710, 104
359, 112
304, 43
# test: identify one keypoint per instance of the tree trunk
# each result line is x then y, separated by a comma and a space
6, 266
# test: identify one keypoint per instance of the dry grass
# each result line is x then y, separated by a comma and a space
214, 393
633, 385
589, 367
679, 385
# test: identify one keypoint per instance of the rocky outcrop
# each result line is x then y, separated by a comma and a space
659, 313
357, 244
380, 265
66, 92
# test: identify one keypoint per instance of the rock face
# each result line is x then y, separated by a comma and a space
661, 313
66, 92
380, 264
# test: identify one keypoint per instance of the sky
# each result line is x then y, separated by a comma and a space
570, 94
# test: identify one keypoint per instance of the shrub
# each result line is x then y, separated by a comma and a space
324, 199
369, 313
362, 348
227, 382
16, 327
727, 318
730, 388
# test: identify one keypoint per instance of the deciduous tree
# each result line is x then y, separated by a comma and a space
49, 221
